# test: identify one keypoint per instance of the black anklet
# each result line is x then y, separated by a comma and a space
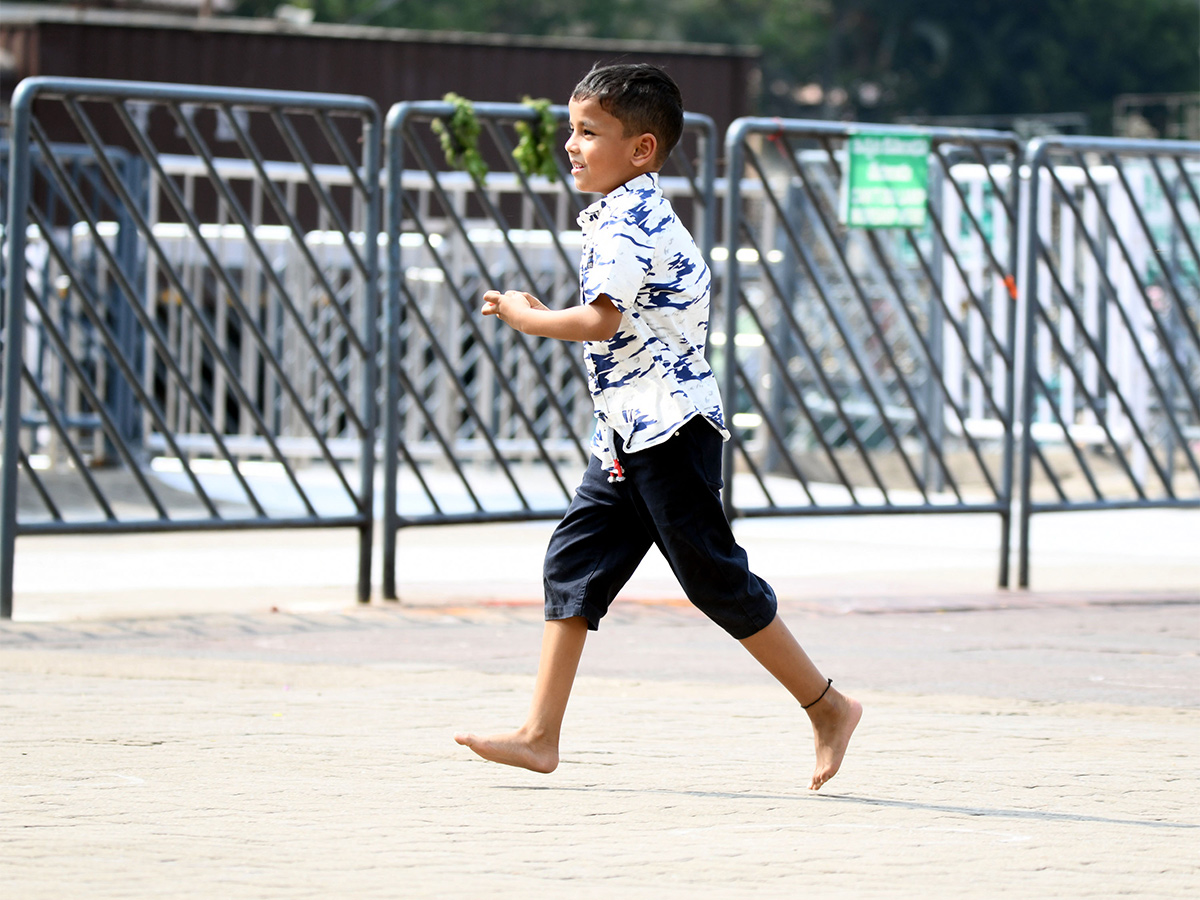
828, 685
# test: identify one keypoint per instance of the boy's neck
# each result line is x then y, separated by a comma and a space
621, 186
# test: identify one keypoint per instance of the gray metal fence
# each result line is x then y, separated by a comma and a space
189, 341
191, 336
482, 423
867, 371
1111, 391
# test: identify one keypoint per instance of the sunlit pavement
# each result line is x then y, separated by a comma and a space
167, 734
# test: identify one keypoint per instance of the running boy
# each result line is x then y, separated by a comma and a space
655, 474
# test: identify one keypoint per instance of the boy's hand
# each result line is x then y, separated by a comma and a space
596, 321
509, 305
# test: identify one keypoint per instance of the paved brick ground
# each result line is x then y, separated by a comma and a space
1046, 750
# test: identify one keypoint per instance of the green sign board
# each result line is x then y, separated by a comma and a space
886, 183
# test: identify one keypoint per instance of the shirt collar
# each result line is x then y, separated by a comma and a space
643, 185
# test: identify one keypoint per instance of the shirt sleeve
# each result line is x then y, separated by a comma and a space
621, 256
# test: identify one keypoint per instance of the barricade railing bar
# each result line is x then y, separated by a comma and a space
1111, 397
868, 371
482, 423
164, 371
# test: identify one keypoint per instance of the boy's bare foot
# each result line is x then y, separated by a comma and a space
834, 720
516, 749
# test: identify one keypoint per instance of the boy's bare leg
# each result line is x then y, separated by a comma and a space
833, 719
535, 744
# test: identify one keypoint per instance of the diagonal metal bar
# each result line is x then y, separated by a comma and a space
206, 332
60, 429
885, 344
296, 233
413, 391
338, 144
1041, 312
460, 228
1040, 386
495, 215
43, 494
84, 385
1010, 211
853, 350
811, 269
150, 327
814, 362
188, 217
965, 206
737, 445
526, 349
1114, 300
300, 153
775, 431
938, 371
1183, 229
464, 396
798, 397
495, 364
1163, 335
506, 147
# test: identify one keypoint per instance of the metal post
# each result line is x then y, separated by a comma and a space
934, 391
1010, 341
1027, 306
394, 216
366, 530
14, 327
735, 160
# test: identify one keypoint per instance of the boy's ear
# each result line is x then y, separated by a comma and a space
645, 150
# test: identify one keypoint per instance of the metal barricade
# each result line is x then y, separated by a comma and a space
482, 423
1111, 392
190, 341
867, 371
191, 338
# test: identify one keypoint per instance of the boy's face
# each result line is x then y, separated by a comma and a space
602, 158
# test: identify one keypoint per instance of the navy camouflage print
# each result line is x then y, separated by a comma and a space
651, 377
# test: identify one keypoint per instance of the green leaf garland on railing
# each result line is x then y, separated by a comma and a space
534, 153
460, 138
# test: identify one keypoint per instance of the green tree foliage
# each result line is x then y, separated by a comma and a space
869, 59
976, 57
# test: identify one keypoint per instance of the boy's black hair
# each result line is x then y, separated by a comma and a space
642, 97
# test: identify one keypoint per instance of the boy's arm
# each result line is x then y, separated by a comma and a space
595, 321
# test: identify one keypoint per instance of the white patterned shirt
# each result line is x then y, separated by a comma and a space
651, 377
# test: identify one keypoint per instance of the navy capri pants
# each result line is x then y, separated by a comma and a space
670, 498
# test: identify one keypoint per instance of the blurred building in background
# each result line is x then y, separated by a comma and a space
389, 65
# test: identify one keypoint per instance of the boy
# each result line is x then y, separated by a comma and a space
655, 474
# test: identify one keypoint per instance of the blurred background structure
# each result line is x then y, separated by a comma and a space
1127, 67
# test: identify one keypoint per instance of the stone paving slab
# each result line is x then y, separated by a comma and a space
1026, 752
1142, 652
140, 777
167, 735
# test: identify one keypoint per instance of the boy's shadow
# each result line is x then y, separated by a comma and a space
976, 811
